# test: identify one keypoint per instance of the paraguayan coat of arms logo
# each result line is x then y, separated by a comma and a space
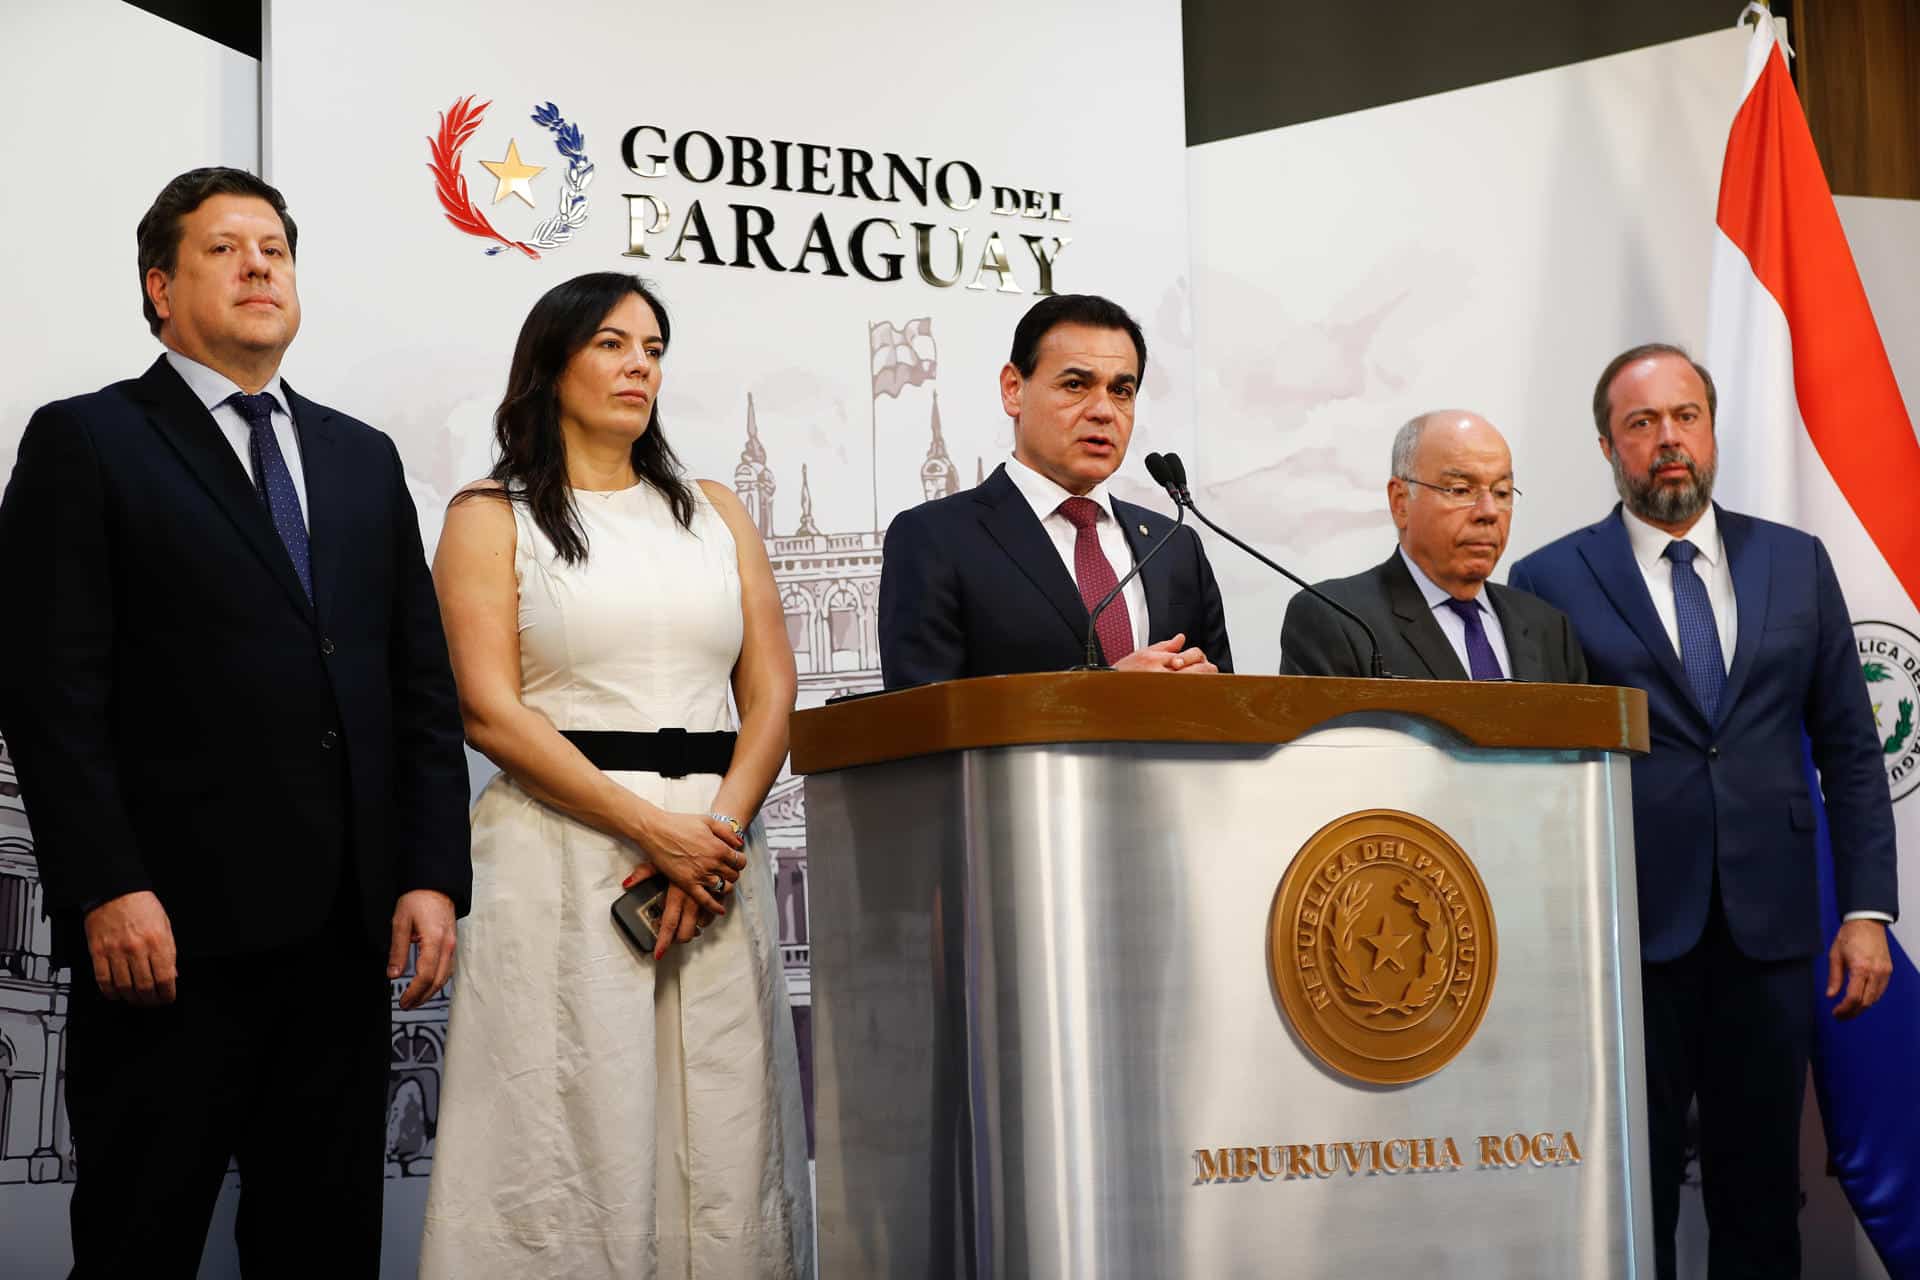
512, 177
1382, 946
1890, 664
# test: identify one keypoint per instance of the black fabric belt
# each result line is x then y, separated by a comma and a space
671, 753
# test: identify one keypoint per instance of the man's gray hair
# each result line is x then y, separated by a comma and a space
1405, 442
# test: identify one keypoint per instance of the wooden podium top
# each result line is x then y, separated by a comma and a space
1123, 706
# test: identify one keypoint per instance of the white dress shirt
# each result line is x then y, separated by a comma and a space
1045, 497
1453, 626
1649, 552
212, 388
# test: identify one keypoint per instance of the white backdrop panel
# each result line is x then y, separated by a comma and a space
1489, 248
409, 325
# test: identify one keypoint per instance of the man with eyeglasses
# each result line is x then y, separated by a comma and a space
1737, 630
1430, 603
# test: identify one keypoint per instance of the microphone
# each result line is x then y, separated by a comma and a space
1176, 486
1172, 476
1094, 663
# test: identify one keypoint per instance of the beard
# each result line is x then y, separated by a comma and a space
1663, 503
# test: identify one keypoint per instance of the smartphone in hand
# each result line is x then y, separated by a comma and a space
638, 911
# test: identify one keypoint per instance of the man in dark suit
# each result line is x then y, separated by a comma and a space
225, 687
1736, 629
1001, 578
1430, 604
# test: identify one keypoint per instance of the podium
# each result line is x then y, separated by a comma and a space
1136, 975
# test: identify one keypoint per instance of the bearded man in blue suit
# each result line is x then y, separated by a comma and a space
1737, 631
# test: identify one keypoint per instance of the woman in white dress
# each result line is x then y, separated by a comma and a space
608, 1112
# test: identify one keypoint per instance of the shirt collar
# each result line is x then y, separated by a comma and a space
212, 388
1432, 592
1045, 496
1650, 544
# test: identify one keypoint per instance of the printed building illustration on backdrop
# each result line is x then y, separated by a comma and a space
830, 592
34, 1143
829, 589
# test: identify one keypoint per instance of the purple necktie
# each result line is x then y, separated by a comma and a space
1481, 660
1094, 575
275, 482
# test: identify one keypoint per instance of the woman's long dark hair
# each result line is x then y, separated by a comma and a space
532, 466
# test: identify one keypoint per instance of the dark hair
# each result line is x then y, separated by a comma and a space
158, 235
1071, 308
532, 463
1603, 390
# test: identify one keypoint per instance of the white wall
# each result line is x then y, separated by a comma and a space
106, 103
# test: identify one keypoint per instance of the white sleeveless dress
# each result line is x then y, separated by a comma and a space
604, 1114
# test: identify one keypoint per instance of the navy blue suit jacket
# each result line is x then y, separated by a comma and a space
972, 586
183, 719
1735, 788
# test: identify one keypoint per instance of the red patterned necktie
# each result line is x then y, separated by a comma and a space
1095, 577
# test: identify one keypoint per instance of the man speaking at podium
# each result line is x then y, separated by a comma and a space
1000, 579
1430, 603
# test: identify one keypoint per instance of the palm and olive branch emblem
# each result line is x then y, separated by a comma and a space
1343, 920
1877, 673
1382, 946
457, 126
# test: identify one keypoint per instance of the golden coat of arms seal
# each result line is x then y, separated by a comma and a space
1382, 946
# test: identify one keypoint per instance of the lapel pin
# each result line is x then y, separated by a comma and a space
1143, 531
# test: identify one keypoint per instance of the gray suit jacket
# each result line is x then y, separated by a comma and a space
1316, 641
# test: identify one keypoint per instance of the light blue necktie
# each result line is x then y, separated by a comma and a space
275, 482
1700, 651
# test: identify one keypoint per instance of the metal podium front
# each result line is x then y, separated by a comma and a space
1120, 975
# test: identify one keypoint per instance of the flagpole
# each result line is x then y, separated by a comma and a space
873, 429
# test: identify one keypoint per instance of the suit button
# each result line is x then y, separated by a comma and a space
1713, 753
327, 740
326, 647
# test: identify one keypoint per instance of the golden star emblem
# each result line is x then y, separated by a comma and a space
1386, 946
515, 178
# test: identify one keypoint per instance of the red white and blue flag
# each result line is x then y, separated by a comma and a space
1814, 434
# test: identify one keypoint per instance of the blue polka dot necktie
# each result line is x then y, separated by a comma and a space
1482, 662
275, 482
1700, 652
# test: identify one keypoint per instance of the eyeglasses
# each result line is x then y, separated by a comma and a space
1459, 494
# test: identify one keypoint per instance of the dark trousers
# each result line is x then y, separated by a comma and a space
1735, 1032
278, 1060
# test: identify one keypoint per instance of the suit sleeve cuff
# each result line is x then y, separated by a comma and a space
1881, 916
